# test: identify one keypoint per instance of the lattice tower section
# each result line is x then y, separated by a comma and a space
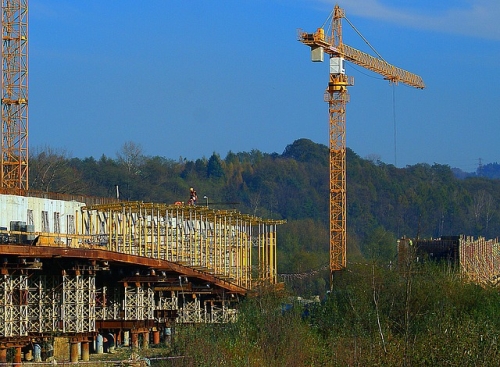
337, 97
168, 303
108, 303
222, 314
14, 139
190, 312
44, 303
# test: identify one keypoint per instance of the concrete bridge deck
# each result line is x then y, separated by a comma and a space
128, 268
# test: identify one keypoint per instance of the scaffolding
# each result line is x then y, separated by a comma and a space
78, 303
480, 259
477, 259
171, 264
224, 243
14, 310
37, 305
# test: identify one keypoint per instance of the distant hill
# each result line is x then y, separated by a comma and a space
490, 170
383, 202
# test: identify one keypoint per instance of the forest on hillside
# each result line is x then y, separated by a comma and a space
384, 202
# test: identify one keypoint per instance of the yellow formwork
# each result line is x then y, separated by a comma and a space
480, 259
219, 242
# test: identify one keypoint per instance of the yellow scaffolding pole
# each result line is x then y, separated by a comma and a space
217, 241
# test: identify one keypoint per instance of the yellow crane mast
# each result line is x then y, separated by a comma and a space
14, 132
337, 96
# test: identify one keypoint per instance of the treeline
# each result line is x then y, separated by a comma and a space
384, 202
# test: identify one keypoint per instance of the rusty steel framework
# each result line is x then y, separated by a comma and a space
131, 267
14, 139
337, 96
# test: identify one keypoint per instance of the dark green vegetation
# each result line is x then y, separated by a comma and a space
384, 202
379, 314
415, 316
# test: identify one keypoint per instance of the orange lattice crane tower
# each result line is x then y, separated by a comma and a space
337, 97
14, 133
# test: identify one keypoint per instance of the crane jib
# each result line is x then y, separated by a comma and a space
390, 72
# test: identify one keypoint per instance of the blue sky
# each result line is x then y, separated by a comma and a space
189, 78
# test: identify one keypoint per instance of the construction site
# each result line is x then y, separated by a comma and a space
78, 270
477, 259
134, 270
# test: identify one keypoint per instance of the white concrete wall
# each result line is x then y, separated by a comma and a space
15, 208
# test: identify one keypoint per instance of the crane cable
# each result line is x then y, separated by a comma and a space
364, 39
393, 89
294, 276
394, 123
328, 29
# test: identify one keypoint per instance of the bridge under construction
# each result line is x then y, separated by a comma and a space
80, 267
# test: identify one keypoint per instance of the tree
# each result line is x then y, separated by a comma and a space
380, 245
49, 170
214, 167
132, 158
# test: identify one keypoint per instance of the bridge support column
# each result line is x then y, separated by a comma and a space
28, 355
73, 352
3, 355
118, 338
99, 344
168, 335
17, 356
156, 337
113, 347
126, 338
145, 340
135, 340
85, 351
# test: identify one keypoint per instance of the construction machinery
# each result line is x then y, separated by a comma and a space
14, 132
337, 96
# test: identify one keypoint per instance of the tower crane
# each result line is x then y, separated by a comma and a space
337, 96
14, 131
